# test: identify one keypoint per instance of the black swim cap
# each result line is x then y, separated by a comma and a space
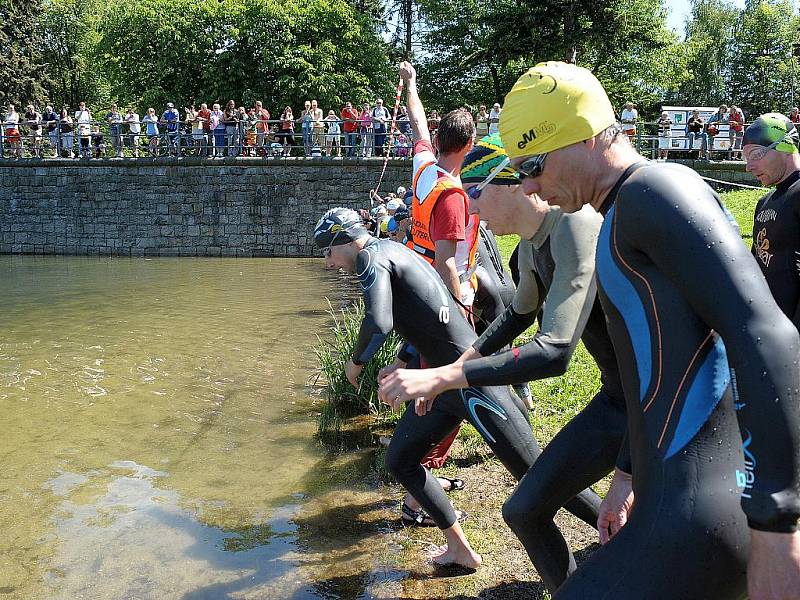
338, 226
772, 128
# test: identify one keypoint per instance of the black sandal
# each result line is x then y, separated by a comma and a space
456, 485
420, 518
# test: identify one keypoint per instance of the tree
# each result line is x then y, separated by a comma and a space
24, 77
70, 41
762, 77
207, 50
710, 45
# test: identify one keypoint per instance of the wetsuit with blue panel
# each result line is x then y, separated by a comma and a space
695, 332
556, 269
404, 293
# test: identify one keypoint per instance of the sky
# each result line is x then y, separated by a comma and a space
679, 10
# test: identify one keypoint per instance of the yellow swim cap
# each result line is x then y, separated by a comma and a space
553, 105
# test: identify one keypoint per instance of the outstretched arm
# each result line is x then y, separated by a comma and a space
416, 112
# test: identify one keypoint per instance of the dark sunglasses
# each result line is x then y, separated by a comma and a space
532, 167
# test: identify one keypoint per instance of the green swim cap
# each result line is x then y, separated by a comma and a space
770, 128
484, 157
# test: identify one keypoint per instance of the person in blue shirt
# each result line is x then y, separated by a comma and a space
172, 119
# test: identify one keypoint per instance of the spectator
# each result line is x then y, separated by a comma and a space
67, 133
494, 118
12, 131
247, 128
33, 119
794, 115
380, 116
628, 118
287, 131
83, 119
262, 125
334, 135
114, 118
433, 123
481, 122
317, 129
664, 135
150, 121
195, 125
695, 126
98, 143
718, 118
403, 124
134, 129
218, 128
50, 120
231, 120
402, 146
306, 127
172, 119
204, 118
350, 126
365, 130
735, 132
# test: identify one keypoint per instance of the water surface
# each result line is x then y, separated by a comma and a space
157, 435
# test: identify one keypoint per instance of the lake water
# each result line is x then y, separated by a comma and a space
158, 435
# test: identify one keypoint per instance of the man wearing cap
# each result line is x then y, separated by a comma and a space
172, 118
700, 345
557, 269
770, 150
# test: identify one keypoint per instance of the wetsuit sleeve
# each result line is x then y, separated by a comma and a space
519, 315
569, 303
691, 240
376, 284
407, 352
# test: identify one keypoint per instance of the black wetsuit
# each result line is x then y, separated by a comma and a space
404, 293
675, 281
776, 244
495, 285
556, 269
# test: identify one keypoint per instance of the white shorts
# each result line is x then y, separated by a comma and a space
663, 143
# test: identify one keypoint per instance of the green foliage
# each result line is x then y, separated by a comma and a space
762, 79
710, 45
333, 352
70, 48
185, 51
24, 77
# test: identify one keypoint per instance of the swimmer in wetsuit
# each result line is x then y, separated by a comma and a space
404, 293
770, 149
556, 262
704, 352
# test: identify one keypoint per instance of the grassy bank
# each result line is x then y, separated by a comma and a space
507, 572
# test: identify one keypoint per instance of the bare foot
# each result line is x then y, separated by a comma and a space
465, 557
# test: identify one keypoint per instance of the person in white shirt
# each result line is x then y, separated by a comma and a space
494, 118
135, 128
628, 119
83, 118
333, 137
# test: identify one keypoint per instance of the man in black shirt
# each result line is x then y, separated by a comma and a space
772, 156
695, 131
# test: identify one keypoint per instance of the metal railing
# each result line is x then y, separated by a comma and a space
138, 137
650, 141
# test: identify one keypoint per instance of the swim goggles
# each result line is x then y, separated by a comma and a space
475, 192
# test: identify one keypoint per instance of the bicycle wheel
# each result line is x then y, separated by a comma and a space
153, 146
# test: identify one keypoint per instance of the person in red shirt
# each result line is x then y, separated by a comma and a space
204, 116
349, 117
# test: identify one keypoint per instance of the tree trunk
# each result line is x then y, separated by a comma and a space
408, 14
498, 93
570, 42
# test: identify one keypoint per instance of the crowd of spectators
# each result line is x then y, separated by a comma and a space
212, 132
350, 131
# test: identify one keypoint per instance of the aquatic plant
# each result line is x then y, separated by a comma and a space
343, 400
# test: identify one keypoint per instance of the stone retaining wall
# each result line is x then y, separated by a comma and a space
186, 207
194, 207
